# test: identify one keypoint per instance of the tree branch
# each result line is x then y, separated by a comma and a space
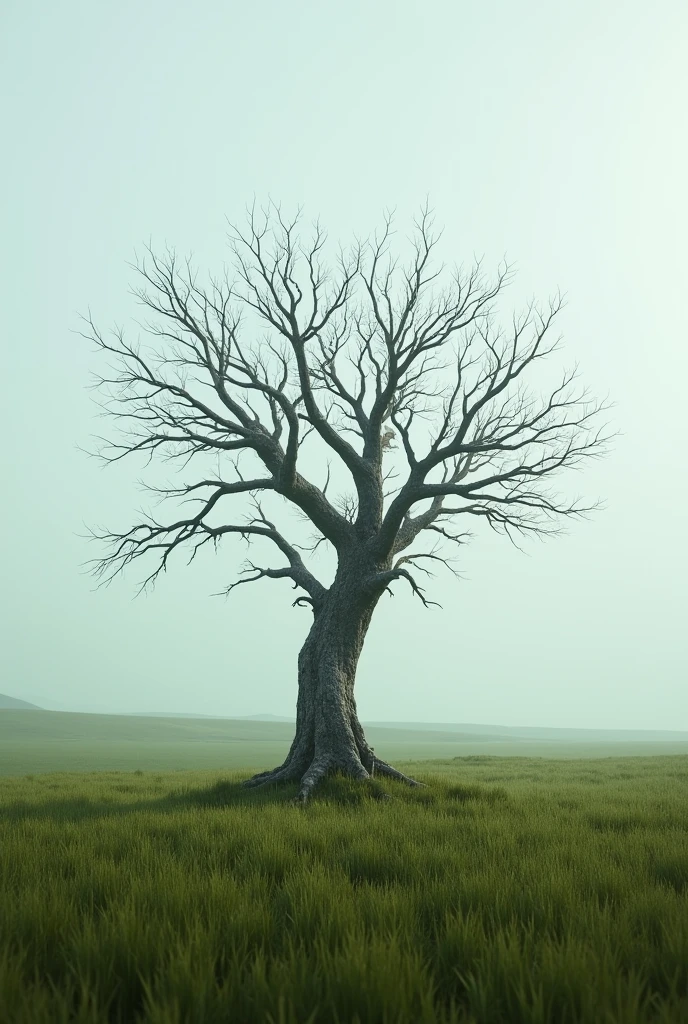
351, 353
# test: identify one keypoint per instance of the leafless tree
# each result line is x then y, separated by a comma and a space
377, 360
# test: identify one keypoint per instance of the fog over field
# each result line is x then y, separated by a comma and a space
552, 133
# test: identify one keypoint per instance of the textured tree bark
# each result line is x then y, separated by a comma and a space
329, 737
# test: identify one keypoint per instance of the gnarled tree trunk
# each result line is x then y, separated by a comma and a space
329, 737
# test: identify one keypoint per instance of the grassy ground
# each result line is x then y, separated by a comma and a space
509, 890
50, 741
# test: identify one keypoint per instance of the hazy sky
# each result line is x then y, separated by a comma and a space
554, 132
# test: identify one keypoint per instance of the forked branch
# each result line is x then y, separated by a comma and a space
371, 358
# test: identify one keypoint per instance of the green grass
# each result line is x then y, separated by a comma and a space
50, 741
510, 890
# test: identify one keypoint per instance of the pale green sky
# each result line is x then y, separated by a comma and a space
552, 131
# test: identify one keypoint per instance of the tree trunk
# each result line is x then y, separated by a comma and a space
329, 737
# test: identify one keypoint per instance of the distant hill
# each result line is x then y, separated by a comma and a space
219, 718
456, 732
472, 732
35, 740
265, 718
523, 732
163, 714
13, 702
222, 718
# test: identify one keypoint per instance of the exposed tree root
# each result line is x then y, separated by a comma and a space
284, 773
317, 771
382, 768
322, 766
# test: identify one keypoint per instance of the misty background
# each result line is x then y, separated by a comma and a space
552, 133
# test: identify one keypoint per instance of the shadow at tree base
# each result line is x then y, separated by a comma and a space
224, 793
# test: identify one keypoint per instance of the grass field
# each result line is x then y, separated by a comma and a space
48, 741
509, 890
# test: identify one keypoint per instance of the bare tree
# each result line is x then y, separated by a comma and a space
375, 360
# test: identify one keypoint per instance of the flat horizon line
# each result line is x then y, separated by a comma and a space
377, 723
